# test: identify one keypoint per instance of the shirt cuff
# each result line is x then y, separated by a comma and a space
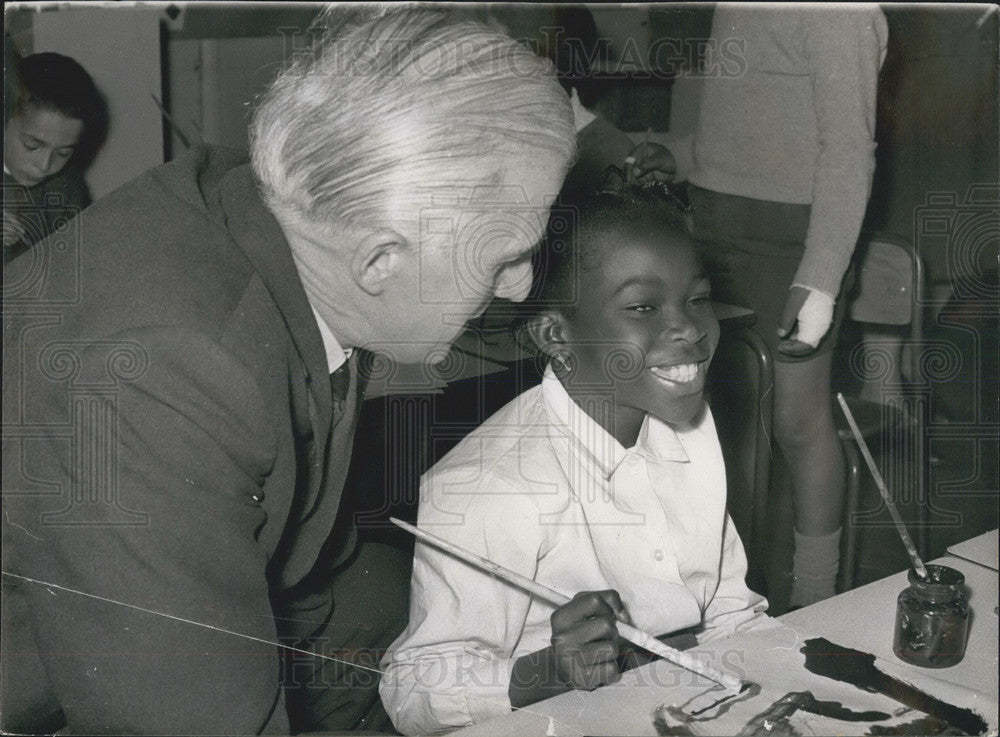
487, 691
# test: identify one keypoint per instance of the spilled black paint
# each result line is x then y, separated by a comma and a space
774, 717
825, 658
774, 720
836, 710
781, 710
748, 691
665, 729
924, 727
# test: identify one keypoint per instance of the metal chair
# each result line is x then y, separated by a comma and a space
740, 391
887, 291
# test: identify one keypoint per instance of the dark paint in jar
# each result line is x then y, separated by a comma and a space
932, 619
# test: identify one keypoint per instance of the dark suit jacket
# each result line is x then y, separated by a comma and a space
172, 455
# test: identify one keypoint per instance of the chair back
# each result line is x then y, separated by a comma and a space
888, 290
741, 393
889, 276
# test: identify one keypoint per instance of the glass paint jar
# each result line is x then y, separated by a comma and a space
932, 619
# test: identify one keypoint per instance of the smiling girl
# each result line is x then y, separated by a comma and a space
607, 479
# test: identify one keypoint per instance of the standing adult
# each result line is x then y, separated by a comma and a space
780, 171
180, 400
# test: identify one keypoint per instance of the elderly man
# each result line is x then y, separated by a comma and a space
181, 383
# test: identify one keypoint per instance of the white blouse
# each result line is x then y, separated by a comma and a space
543, 489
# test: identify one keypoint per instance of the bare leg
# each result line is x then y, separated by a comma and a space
804, 428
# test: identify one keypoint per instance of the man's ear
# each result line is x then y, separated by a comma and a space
376, 258
548, 331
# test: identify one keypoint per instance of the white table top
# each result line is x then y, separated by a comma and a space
862, 619
865, 618
982, 550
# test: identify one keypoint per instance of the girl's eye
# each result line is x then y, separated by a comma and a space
700, 301
642, 309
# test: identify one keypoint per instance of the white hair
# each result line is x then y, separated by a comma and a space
391, 104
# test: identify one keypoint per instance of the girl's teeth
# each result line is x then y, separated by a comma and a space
680, 374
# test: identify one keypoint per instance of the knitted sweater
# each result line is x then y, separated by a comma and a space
788, 115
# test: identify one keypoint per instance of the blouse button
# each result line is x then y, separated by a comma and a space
658, 554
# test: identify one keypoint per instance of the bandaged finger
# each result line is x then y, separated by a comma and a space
814, 318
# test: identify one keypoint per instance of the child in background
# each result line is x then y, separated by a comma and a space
606, 479
779, 170
58, 119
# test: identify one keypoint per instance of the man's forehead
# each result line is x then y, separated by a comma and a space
488, 238
508, 193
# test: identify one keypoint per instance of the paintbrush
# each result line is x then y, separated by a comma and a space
728, 681
918, 564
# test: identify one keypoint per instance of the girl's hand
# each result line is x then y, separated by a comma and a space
585, 639
806, 319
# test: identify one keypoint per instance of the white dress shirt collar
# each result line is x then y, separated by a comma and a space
335, 354
657, 440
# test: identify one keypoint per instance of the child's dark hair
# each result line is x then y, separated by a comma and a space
567, 249
11, 78
52, 81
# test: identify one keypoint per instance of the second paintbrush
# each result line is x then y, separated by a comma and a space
911, 549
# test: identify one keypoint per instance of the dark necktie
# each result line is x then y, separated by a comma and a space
340, 381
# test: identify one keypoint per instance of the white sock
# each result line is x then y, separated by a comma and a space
814, 567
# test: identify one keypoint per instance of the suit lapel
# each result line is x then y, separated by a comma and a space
314, 510
257, 232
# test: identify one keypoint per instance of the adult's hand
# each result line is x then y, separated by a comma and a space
585, 639
650, 161
13, 229
806, 318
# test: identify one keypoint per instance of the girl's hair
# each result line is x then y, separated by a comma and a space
393, 104
50, 81
569, 246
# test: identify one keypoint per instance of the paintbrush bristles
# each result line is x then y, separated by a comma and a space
911, 549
